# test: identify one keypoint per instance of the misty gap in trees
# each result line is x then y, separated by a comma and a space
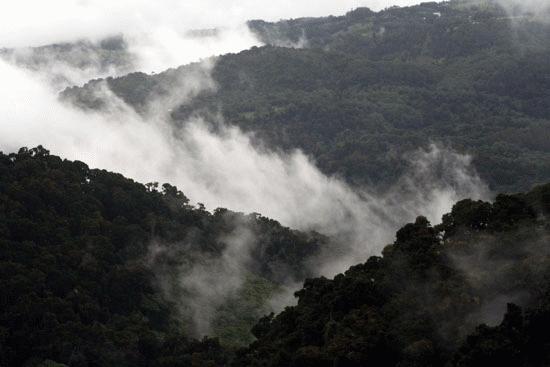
84, 284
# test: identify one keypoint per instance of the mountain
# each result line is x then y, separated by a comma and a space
93, 267
366, 87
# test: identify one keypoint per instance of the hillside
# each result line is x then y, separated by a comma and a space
420, 302
368, 87
93, 267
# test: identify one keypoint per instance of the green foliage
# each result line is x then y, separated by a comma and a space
233, 323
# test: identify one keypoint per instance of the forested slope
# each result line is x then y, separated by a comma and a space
419, 303
82, 279
368, 87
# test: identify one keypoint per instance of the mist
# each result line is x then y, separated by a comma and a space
515, 7
69, 64
200, 286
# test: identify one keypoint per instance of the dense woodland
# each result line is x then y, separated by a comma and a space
78, 284
369, 87
431, 299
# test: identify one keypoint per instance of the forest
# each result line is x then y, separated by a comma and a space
430, 299
79, 283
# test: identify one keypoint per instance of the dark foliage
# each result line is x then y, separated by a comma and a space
416, 305
75, 279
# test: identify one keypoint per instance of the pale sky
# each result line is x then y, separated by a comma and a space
39, 22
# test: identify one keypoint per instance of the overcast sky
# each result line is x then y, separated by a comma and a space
38, 22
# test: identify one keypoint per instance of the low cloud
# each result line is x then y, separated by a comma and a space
517, 7
201, 285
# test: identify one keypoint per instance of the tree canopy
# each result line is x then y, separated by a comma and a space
78, 282
435, 297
